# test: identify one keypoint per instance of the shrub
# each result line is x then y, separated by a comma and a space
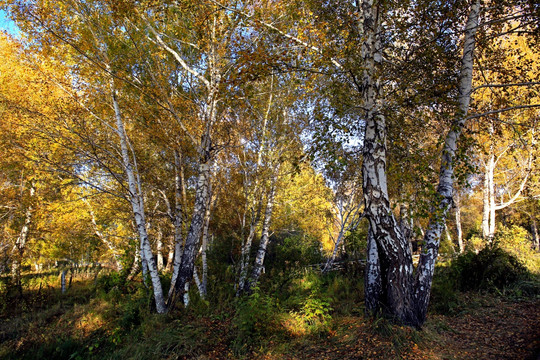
254, 320
109, 281
516, 241
314, 317
444, 298
492, 268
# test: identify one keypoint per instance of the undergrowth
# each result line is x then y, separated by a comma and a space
294, 315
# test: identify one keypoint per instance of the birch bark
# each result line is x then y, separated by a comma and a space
372, 277
395, 256
426, 265
459, 230
265, 237
102, 236
254, 201
187, 263
180, 199
206, 155
137, 204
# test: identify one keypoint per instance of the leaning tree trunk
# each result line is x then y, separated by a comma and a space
426, 265
137, 205
185, 273
102, 236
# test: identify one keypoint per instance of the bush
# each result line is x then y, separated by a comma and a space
492, 268
254, 320
516, 241
444, 298
314, 316
106, 283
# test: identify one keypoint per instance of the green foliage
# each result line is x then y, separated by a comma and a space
254, 319
296, 251
108, 282
444, 297
447, 248
492, 268
314, 316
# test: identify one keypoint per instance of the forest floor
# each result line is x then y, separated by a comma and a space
487, 328
85, 325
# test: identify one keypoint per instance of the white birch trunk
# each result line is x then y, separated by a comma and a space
265, 238
491, 176
447, 232
245, 258
159, 250
372, 277
102, 237
136, 265
204, 248
254, 204
170, 257
534, 232
426, 265
137, 205
332, 258
185, 273
198, 283
459, 230
394, 252
180, 203
63, 281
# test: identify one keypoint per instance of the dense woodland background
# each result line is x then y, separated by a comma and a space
272, 170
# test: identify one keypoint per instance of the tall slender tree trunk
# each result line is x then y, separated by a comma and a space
136, 264
206, 154
102, 237
459, 230
180, 199
485, 205
491, 170
245, 258
22, 239
185, 273
265, 237
137, 205
254, 202
426, 264
170, 257
488, 213
204, 248
159, 249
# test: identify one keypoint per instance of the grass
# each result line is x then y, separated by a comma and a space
312, 317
